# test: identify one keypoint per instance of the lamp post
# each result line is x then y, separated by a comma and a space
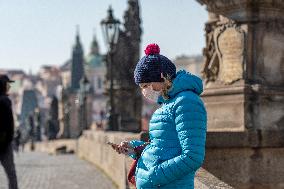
66, 112
110, 28
32, 131
67, 119
84, 90
38, 124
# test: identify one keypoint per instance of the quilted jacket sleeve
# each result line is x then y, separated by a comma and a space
191, 123
135, 143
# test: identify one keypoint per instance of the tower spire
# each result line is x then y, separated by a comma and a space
95, 49
77, 70
77, 33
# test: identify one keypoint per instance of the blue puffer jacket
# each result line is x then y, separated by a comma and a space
177, 132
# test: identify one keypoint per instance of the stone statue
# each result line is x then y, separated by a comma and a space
52, 124
211, 64
224, 51
127, 99
132, 21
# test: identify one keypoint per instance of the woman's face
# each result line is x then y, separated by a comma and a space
156, 86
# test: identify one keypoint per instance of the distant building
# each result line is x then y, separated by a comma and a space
73, 73
72, 70
95, 69
77, 64
65, 71
28, 107
192, 64
29, 104
50, 77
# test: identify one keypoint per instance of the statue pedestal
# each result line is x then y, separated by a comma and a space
244, 106
225, 107
244, 92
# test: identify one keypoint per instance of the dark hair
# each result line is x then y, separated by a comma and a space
3, 87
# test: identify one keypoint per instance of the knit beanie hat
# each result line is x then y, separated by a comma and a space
150, 67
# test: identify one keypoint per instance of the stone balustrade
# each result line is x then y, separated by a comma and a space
92, 147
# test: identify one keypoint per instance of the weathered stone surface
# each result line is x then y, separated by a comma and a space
230, 45
93, 147
254, 32
245, 105
205, 180
250, 56
225, 112
246, 168
245, 139
210, 68
270, 46
246, 10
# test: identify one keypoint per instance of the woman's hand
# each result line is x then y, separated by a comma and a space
124, 148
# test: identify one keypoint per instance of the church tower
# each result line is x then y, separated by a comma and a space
95, 49
77, 64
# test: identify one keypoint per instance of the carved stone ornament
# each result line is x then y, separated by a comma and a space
230, 46
210, 67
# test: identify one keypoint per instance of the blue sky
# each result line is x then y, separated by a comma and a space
41, 32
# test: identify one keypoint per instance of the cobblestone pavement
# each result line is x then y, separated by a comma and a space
42, 171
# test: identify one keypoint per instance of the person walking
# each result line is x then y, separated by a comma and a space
177, 130
17, 140
7, 132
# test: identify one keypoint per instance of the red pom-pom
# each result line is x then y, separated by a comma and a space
152, 49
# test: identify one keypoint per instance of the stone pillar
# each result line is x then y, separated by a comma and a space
244, 92
127, 98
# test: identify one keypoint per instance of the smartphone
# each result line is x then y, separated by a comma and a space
116, 146
113, 145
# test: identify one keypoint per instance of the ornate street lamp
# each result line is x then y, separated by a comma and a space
32, 131
84, 90
67, 109
67, 113
110, 28
37, 123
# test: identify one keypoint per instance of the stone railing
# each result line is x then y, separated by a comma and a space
93, 148
55, 146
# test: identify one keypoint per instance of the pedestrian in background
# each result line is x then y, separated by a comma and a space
7, 132
177, 130
17, 140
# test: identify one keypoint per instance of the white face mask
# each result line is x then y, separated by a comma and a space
150, 94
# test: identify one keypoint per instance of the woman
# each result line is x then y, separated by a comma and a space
177, 130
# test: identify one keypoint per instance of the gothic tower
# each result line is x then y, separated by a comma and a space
77, 65
95, 49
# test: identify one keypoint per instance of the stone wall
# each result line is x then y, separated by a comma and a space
93, 148
244, 92
55, 146
247, 168
246, 160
